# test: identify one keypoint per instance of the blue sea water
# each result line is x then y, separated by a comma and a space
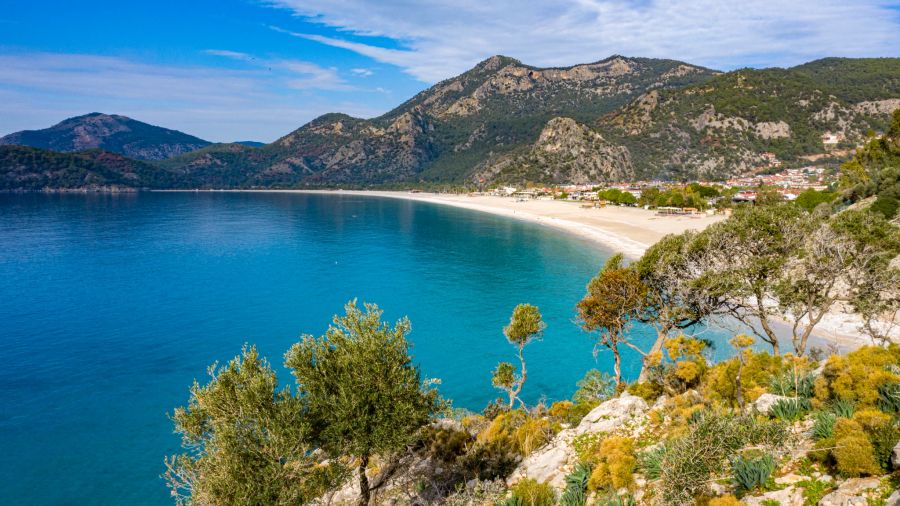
111, 305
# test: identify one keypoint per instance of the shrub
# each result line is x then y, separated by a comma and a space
884, 438
725, 500
814, 490
529, 492
516, 430
790, 409
561, 409
871, 419
614, 464
531, 435
823, 425
647, 390
575, 493
719, 381
750, 473
861, 375
690, 460
853, 453
612, 499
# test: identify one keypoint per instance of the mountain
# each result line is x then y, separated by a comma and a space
252, 144
26, 168
460, 126
503, 121
726, 125
118, 134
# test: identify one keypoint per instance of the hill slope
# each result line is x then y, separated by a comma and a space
118, 134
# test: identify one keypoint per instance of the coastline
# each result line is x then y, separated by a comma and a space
627, 230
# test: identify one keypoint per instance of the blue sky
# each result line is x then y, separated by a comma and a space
256, 69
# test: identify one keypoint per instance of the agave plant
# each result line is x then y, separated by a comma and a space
790, 383
790, 409
889, 397
823, 424
750, 473
576, 486
843, 408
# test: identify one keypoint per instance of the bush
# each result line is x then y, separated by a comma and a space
614, 464
790, 409
750, 473
529, 492
517, 431
725, 500
853, 453
860, 376
719, 381
689, 461
561, 409
612, 499
531, 435
647, 390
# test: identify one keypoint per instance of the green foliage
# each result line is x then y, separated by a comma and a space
595, 386
843, 408
814, 490
793, 383
575, 493
823, 424
248, 442
889, 397
690, 460
790, 409
617, 196
810, 199
362, 394
875, 170
650, 462
750, 473
529, 492
613, 499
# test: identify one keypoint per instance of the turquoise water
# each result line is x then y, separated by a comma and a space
111, 305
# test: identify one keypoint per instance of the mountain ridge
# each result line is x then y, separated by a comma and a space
616, 118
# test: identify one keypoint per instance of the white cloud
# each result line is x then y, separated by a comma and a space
441, 38
263, 101
362, 72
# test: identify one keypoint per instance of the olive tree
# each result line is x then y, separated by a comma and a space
676, 298
614, 300
362, 394
747, 258
247, 442
525, 325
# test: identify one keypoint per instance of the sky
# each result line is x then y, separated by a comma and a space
235, 70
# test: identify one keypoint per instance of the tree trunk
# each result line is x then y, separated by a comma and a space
738, 391
617, 367
764, 322
363, 481
657, 347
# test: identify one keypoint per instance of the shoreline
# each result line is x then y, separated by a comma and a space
630, 231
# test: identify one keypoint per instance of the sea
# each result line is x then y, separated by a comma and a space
112, 305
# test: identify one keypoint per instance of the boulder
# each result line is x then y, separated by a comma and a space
553, 461
612, 414
853, 492
790, 496
895, 456
765, 402
894, 499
